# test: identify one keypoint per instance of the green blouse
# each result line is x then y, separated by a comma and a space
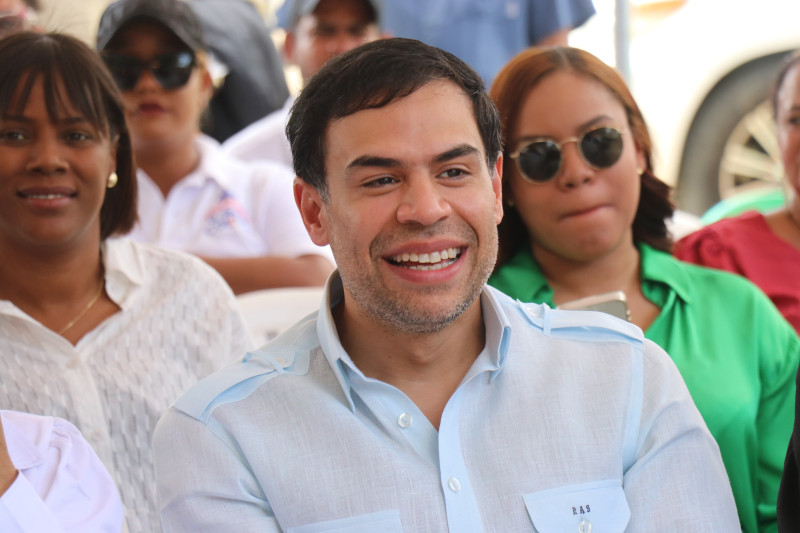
736, 353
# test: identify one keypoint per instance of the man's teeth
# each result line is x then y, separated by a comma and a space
428, 261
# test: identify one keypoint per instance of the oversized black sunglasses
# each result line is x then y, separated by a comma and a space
171, 70
539, 159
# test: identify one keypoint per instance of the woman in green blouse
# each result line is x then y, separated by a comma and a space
585, 215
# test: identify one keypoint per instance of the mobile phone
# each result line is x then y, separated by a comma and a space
613, 303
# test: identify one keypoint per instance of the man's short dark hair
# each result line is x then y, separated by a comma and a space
372, 76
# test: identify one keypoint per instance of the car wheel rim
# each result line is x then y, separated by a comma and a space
751, 158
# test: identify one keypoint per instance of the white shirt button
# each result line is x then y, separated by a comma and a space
73, 363
584, 526
97, 435
404, 420
281, 361
454, 484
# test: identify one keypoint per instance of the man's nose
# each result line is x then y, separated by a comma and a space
422, 202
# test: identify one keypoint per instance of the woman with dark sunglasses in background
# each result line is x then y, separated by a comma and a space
239, 217
585, 215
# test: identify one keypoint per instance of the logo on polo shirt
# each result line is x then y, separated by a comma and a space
227, 214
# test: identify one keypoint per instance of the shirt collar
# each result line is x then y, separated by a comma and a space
124, 275
212, 165
124, 272
492, 357
662, 268
329, 337
657, 267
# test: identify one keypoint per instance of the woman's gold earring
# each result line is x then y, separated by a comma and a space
510, 202
113, 179
640, 171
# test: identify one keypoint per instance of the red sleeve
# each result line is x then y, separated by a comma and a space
707, 247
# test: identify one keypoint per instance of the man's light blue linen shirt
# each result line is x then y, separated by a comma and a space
565, 418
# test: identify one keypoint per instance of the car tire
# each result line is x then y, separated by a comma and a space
731, 143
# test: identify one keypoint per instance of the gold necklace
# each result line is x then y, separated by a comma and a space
85, 309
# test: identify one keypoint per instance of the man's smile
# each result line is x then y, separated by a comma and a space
426, 261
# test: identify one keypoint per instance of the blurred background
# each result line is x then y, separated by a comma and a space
702, 71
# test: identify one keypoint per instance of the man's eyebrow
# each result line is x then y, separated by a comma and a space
458, 151
375, 161
371, 161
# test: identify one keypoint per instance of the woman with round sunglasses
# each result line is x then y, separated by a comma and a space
96, 329
240, 218
585, 215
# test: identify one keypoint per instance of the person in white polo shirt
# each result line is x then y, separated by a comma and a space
240, 218
317, 30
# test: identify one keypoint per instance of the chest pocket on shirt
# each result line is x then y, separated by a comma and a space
379, 522
598, 507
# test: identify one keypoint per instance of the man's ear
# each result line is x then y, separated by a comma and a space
313, 210
497, 187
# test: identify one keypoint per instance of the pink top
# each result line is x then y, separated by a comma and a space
747, 246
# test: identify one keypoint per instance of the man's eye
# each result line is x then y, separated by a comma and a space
453, 173
379, 182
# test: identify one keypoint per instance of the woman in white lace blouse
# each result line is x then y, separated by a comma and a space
95, 329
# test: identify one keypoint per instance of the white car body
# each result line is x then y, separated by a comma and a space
678, 60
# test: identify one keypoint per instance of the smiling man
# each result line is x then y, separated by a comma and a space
418, 399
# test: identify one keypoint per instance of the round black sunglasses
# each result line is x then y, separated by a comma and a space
171, 70
539, 159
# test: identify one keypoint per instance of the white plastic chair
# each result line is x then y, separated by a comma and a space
268, 312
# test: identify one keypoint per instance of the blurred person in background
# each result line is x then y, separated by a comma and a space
317, 30
485, 33
585, 215
764, 248
18, 15
240, 218
96, 329
51, 481
254, 83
